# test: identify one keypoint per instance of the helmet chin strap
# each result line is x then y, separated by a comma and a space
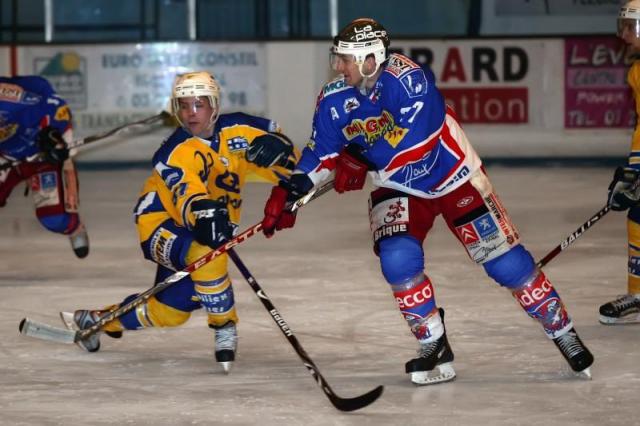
367, 78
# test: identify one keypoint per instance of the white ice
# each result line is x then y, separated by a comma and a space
324, 279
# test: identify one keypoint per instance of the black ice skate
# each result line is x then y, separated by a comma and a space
226, 341
81, 320
434, 362
624, 310
80, 241
575, 352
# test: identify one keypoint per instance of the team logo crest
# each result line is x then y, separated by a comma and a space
350, 104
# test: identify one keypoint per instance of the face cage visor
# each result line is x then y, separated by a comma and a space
336, 58
628, 26
356, 56
192, 104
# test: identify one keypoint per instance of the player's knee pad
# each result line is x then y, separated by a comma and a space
153, 313
513, 268
401, 259
216, 297
58, 223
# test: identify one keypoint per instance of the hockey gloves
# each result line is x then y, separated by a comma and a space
351, 169
53, 146
624, 190
269, 149
276, 214
212, 225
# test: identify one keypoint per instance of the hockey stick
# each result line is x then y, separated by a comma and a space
73, 145
574, 236
39, 330
343, 404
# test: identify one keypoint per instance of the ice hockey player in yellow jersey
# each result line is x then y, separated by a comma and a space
190, 204
624, 190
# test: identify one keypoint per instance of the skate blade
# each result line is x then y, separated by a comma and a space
584, 374
442, 373
226, 366
628, 319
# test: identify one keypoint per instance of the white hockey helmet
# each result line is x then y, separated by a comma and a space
360, 38
629, 18
196, 84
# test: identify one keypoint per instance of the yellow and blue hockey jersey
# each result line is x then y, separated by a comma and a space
187, 168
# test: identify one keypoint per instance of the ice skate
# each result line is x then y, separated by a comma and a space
434, 363
81, 320
226, 341
623, 310
80, 241
575, 352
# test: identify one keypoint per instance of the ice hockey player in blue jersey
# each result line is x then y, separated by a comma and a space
35, 127
385, 117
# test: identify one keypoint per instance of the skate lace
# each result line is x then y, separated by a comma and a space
426, 350
226, 338
625, 301
569, 344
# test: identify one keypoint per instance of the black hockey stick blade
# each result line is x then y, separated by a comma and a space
352, 404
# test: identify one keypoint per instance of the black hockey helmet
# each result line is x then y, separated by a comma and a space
360, 38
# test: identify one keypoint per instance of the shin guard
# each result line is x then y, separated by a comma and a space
541, 302
417, 304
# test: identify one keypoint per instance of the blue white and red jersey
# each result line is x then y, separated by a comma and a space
27, 105
404, 127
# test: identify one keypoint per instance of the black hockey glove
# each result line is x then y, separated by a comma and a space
269, 149
624, 189
52, 144
212, 225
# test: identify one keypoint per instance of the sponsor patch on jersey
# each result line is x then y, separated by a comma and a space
415, 83
398, 65
6, 132
161, 245
463, 202
334, 86
350, 104
48, 180
389, 217
634, 265
63, 113
485, 225
395, 135
11, 92
371, 128
482, 238
500, 214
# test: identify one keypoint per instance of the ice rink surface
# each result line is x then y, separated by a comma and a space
325, 281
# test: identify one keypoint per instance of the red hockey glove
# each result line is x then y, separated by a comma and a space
351, 169
276, 215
